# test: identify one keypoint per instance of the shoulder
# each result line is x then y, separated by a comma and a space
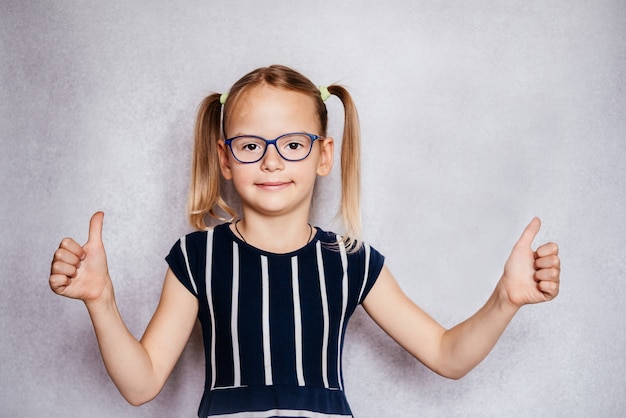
332, 241
201, 235
360, 262
197, 241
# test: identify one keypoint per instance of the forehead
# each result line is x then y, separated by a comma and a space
272, 111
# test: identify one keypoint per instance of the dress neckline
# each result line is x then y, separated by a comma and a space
317, 233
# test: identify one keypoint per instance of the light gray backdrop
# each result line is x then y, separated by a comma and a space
476, 116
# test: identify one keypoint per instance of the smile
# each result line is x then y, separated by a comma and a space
274, 185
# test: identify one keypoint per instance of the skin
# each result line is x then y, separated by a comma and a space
276, 197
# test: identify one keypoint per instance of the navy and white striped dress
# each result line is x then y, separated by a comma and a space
273, 324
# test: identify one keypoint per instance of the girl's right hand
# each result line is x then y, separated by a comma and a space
82, 272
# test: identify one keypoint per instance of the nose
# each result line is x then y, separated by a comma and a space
272, 160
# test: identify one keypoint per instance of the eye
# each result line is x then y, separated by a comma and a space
294, 142
248, 145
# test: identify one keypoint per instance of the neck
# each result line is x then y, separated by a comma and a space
277, 235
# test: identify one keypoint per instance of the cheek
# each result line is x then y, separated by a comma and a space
312, 171
240, 175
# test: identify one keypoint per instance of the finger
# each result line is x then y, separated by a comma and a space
72, 246
547, 262
64, 269
67, 256
58, 282
95, 228
549, 289
550, 275
551, 248
530, 232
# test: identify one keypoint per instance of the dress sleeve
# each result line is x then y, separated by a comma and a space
179, 262
373, 263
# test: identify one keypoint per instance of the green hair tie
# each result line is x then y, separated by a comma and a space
223, 98
324, 93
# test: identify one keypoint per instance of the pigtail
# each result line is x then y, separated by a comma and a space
350, 169
204, 192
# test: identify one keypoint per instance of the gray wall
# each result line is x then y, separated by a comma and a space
476, 116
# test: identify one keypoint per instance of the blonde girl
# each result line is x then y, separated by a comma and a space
272, 292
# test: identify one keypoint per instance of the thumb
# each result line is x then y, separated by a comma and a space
530, 232
95, 228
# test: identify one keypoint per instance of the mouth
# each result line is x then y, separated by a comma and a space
273, 185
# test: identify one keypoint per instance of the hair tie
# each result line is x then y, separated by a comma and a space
223, 98
324, 93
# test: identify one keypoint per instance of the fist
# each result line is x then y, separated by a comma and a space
532, 276
81, 272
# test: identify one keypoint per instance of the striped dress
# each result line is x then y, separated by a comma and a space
273, 324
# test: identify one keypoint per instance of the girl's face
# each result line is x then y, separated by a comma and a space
274, 186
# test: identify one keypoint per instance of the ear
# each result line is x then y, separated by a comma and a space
222, 152
327, 155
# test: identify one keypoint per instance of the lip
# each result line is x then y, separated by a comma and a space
273, 185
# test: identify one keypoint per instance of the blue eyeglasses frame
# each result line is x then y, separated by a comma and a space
269, 142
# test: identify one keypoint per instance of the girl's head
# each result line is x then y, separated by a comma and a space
215, 121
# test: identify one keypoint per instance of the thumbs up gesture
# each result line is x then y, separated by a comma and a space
531, 276
81, 272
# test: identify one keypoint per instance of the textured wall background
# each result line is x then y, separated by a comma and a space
476, 116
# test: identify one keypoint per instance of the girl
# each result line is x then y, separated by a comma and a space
272, 292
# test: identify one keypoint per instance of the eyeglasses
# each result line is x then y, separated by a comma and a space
249, 149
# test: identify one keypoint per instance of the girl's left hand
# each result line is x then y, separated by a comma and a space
531, 276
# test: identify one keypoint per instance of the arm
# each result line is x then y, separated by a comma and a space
139, 369
529, 277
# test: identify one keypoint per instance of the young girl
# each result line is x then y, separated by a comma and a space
273, 293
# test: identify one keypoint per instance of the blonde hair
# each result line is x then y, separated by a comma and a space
205, 196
